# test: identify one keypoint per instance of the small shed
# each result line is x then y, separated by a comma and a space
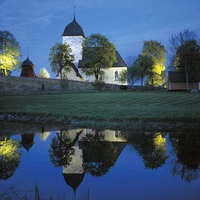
27, 69
177, 81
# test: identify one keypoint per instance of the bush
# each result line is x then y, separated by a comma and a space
98, 84
123, 87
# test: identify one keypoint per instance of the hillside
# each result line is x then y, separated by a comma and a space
20, 85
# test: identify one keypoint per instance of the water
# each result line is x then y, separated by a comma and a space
83, 164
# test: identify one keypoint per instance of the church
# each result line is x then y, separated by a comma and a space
74, 36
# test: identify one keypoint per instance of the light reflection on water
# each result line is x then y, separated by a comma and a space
90, 164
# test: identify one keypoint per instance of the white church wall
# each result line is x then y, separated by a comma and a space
75, 43
112, 75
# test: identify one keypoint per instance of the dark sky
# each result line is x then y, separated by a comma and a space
38, 24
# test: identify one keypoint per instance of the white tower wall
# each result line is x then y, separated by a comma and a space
75, 43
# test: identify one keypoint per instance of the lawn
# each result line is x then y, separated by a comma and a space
156, 106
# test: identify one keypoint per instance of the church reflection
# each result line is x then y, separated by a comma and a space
85, 151
80, 152
27, 140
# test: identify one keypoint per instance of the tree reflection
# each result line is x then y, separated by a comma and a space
186, 149
151, 147
10, 154
98, 155
61, 150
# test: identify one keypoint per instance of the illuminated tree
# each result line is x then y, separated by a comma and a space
9, 52
151, 147
44, 73
9, 157
61, 58
187, 60
98, 54
157, 52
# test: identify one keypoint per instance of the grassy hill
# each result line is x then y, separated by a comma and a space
20, 85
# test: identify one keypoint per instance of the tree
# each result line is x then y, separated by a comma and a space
132, 74
9, 52
178, 40
98, 54
187, 60
144, 65
186, 156
123, 76
98, 155
61, 58
151, 147
44, 73
9, 157
157, 52
61, 149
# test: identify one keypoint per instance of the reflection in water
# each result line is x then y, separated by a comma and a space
186, 152
85, 152
9, 157
27, 140
151, 147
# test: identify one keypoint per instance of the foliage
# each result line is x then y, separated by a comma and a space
157, 52
10, 154
123, 76
187, 60
180, 38
99, 155
61, 58
44, 73
177, 40
98, 54
61, 150
151, 147
186, 151
98, 84
133, 73
9, 52
143, 66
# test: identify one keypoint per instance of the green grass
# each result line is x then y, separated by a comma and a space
22, 85
108, 106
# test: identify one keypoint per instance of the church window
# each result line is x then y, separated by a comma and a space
116, 76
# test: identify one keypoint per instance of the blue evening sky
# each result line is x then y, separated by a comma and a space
38, 24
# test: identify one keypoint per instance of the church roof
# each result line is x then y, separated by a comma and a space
27, 62
73, 180
73, 29
120, 62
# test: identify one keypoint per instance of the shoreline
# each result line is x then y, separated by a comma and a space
133, 125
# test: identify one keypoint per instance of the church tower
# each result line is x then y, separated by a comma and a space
74, 36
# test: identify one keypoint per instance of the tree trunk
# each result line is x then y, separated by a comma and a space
96, 76
60, 73
142, 81
186, 75
187, 81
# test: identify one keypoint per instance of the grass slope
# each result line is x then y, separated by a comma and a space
120, 107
